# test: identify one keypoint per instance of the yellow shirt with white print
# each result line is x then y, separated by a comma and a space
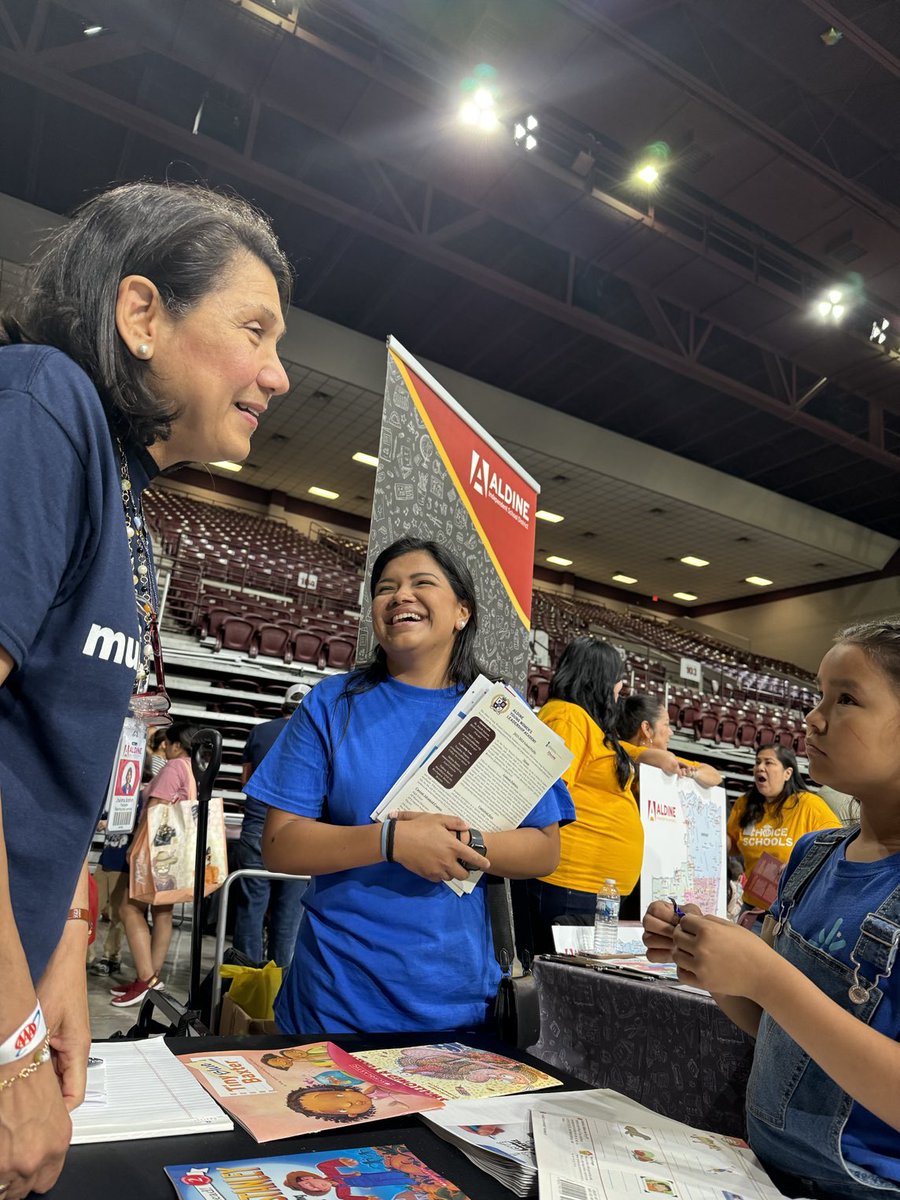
803, 813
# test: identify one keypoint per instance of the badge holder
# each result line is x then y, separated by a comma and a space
151, 706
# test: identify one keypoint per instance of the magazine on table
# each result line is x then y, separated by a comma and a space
603, 1146
389, 1172
307, 1089
490, 762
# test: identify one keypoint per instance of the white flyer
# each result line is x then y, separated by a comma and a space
489, 763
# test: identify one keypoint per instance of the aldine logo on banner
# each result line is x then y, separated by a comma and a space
487, 482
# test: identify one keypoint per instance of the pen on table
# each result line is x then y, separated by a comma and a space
679, 912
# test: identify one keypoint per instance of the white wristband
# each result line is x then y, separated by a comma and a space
27, 1037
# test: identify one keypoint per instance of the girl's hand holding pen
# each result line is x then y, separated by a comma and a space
660, 923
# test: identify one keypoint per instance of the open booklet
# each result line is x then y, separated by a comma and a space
490, 762
369, 1172
308, 1089
600, 1145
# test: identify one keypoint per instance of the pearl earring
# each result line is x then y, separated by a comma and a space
143, 350
460, 624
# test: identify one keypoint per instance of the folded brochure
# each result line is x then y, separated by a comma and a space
306, 1089
360, 1173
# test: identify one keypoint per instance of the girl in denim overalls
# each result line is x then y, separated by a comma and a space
822, 998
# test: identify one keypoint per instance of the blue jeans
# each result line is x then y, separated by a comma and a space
282, 899
547, 903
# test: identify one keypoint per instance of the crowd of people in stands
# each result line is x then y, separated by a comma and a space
148, 337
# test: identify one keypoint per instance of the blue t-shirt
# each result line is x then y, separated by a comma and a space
828, 915
261, 740
380, 949
68, 618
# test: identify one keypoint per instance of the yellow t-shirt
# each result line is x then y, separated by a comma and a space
606, 840
804, 813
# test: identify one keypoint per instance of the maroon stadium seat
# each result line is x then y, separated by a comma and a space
234, 634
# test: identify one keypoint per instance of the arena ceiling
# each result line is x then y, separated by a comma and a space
681, 317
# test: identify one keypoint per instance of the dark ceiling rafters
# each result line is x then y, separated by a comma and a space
676, 352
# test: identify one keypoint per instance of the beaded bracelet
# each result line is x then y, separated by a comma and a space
42, 1056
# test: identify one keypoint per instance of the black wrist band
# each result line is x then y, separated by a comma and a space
389, 844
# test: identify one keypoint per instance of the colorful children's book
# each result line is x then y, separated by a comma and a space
303, 1089
457, 1072
363, 1173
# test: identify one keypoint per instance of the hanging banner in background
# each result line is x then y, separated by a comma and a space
444, 478
684, 842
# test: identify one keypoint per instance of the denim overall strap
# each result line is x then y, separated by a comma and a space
795, 1112
879, 937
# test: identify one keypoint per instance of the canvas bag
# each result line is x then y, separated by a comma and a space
164, 848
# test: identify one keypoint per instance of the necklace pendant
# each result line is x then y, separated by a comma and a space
858, 994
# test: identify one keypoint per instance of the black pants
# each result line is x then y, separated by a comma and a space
547, 903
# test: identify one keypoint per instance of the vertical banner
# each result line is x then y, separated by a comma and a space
684, 842
444, 478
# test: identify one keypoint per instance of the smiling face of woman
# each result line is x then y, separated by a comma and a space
217, 365
416, 614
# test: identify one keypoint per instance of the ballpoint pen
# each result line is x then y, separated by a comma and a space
679, 912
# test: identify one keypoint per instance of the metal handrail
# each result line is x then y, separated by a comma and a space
245, 873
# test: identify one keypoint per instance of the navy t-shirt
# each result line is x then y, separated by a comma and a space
261, 740
380, 948
68, 619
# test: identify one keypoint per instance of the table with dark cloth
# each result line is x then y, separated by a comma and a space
135, 1169
668, 1048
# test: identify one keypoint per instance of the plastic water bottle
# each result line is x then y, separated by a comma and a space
606, 918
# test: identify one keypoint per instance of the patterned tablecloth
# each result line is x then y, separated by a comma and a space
670, 1049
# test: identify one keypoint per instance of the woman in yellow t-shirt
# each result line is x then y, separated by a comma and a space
644, 721
606, 841
774, 814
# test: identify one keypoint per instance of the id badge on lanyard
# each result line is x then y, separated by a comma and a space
125, 783
151, 706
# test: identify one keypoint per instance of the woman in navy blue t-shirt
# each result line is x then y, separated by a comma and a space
384, 945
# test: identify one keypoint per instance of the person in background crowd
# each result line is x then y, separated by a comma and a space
384, 944
820, 990
606, 841
773, 815
281, 898
149, 946
145, 337
644, 721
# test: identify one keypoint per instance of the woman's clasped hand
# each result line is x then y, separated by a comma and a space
434, 845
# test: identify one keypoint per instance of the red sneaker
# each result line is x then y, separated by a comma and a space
121, 988
135, 992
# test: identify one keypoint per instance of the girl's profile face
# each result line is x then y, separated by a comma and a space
853, 733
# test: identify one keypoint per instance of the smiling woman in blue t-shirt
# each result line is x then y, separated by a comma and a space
384, 945
145, 337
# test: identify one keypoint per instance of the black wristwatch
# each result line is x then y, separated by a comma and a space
476, 843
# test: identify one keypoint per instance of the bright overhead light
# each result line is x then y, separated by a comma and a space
652, 164
371, 460
324, 493
559, 562
478, 108
758, 581
692, 561
228, 466
832, 306
543, 515
879, 331
624, 579
684, 595
92, 30
830, 37
524, 132
648, 174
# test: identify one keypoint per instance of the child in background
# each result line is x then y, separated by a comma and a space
820, 991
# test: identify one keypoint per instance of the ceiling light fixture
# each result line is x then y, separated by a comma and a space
524, 132
559, 562
624, 578
228, 466
651, 166
691, 560
92, 30
684, 595
543, 515
879, 331
830, 37
758, 581
832, 306
370, 460
324, 493
478, 108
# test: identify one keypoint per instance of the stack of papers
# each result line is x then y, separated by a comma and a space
490, 762
146, 1093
